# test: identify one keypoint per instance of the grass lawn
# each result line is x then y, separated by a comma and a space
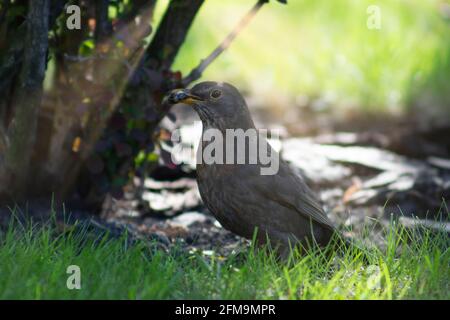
34, 262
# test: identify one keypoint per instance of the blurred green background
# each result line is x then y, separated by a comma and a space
321, 50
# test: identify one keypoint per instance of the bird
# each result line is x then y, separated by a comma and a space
275, 209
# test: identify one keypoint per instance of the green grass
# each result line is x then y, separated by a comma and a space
34, 261
324, 49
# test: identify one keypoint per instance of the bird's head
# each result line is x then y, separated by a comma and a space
218, 104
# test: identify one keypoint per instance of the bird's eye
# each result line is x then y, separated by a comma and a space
180, 96
216, 94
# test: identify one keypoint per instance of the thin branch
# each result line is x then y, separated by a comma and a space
196, 73
103, 27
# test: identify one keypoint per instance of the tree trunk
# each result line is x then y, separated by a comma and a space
172, 32
145, 97
103, 27
47, 149
26, 99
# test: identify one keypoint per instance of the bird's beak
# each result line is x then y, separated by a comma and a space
183, 96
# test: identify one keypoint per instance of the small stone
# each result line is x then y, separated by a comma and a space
188, 218
208, 252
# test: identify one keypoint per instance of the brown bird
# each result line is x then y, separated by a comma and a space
279, 206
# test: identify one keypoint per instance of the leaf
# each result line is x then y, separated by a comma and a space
87, 47
95, 164
123, 149
118, 122
138, 135
76, 145
102, 145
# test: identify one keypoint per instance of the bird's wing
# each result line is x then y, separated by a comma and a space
289, 190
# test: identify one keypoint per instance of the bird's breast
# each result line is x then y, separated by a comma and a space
215, 185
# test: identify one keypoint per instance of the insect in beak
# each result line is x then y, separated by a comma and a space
183, 96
